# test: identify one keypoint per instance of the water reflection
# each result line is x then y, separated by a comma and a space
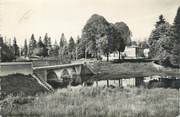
149, 82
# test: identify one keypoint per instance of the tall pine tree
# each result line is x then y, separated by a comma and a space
63, 41
177, 23
71, 45
175, 60
71, 48
25, 50
15, 47
32, 45
161, 21
46, 40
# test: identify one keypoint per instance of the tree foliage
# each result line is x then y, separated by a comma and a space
55, 49
41, 49
15, 48
164, 41
63, 41
25, 49
122, 37
161, 21
32, 45
71, 48
99, 34
7, 54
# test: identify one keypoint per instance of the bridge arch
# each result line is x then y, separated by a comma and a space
51, 75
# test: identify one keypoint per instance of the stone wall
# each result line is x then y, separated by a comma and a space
15, 67
42, 74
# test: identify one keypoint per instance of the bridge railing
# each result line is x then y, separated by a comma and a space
38, 63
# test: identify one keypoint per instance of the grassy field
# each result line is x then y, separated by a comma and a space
98, 102
129, 70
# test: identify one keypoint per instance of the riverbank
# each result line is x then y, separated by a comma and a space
108, 70
19, 84
99, 102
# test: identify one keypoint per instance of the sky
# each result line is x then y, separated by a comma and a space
21, 18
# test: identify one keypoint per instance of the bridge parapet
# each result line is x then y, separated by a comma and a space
7, 68
58, 66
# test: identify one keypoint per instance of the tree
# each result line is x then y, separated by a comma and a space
7, 54
63, 45
177, 23
161, 21
133, 43
46, 40
72, 47
104, 46
1, 41
15, 47
25, 50
49, 43
78, 40
49, 46
160, 29
40, 50
81, 47
32, 45
95, 28
63, 41
164, 42
40, 44
55, 49
122, 37
157, 39
143, 44
175, 40
116, 36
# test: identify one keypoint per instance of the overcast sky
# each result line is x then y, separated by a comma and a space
21, 18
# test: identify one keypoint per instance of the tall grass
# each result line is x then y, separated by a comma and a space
101, 102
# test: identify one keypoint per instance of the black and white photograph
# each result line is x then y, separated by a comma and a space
89, 58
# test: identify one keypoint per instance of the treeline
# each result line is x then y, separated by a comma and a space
99, 37
164, 41
45, 48
8, 51
41, 47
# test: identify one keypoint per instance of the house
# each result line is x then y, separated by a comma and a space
133, 52
130, 52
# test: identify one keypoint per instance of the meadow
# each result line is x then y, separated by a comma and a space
97, 102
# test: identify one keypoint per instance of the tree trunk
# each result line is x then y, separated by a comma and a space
119, 55
107, 57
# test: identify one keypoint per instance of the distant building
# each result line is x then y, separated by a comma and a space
133, 52
130, 52
146, 53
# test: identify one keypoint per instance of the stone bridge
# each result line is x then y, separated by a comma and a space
56, 72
